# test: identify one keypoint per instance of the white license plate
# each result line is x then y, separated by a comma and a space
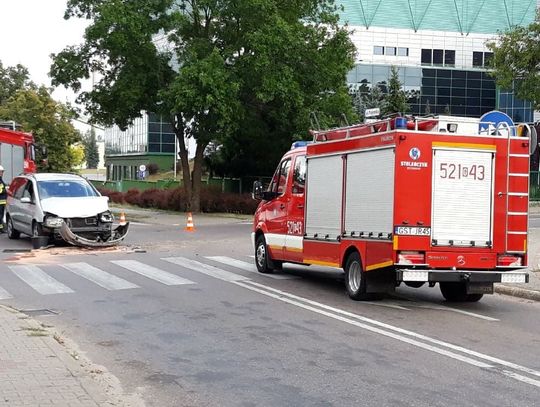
512, 278
412, 231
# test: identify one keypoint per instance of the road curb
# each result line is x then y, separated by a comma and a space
517, 292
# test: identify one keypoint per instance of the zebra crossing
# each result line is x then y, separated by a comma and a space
37, 277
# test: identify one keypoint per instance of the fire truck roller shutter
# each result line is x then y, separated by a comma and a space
369, 193
324, 193
12, 159
462, 209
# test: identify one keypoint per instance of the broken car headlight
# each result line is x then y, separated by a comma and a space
53, 221
106, 217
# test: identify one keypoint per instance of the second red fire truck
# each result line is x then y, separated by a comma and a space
17, 152
403, 200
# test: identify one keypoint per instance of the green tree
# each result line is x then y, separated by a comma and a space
91, 152
515, 61
244, 74
366, 97
396, 98
49, 122
12, 79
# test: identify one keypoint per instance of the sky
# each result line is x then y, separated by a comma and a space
31, 30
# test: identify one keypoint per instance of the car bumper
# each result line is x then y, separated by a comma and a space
473, 276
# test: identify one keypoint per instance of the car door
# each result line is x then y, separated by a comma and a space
16, 190
295, 211
27, 207
276, 211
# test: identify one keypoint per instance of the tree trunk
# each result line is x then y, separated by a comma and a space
196, 178
178, 126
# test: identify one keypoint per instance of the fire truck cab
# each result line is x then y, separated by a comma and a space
17, 152
403, 200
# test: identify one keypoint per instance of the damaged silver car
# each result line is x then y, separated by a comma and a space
61, 206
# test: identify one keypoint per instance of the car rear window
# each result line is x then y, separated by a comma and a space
65, 189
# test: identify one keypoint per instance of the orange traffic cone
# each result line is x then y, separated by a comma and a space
190, 227
122, 221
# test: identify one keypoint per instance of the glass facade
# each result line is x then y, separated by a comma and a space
444, 91
150, 133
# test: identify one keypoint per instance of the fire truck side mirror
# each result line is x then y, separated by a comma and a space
44, 151
257, 191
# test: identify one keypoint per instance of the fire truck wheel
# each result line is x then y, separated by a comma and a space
355, 280
457, 292
262, 259
11, 231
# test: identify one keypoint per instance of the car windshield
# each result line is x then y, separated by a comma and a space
65, 189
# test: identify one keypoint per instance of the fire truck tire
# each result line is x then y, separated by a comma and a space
355, 280
457, 292
12, 233
262, 258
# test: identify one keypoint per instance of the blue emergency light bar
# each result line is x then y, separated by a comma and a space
298, 144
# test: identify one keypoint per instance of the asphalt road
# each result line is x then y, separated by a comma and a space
183, 319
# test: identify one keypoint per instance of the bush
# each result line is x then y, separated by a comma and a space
212, 200
153, 168
132, 196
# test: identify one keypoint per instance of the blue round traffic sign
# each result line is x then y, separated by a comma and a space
496, 123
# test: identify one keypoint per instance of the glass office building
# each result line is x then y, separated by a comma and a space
439, 47
150, 139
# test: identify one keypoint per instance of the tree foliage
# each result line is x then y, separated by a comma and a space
13, 79
515, 61
91, 152
244, 74
49, 122
397, 97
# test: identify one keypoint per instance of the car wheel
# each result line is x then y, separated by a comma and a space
457, 292
355, 279
262, 256
37, 230
11, 231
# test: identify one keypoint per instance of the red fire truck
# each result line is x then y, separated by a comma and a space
17, 152
403, 200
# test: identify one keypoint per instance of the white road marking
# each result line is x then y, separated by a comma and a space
39, 280
4, 295
284, 297
248, 267
205, 269
152, 272
303, 303
425, 305
100, 277
386, 304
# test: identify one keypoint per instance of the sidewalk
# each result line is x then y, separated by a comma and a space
39, 368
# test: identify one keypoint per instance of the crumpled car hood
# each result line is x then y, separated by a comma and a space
82, 207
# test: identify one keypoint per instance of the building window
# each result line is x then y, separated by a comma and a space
478, 59
481, 59
403, 52
378, 50
438, 57
390, 51
426, 56
449, 58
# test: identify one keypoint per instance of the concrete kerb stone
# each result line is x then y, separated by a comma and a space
517, 292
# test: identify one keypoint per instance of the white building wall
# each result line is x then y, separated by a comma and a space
464, 45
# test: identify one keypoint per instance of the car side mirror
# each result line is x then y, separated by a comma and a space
260, 194
26, 200
257, 193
